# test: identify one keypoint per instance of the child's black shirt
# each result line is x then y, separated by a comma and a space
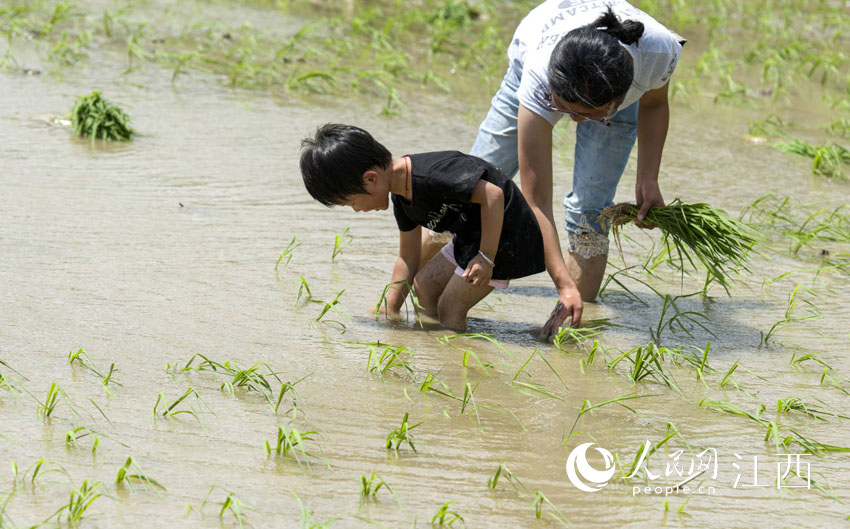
442, 184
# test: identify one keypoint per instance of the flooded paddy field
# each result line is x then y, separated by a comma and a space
246, 397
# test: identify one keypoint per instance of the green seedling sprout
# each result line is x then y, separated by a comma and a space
307, 520
37, 470
334, 305
80, 501
793, 301
695, 232
429, 383
414, 300
678, 318
445, 517
646, 364
303, 287
96, 118
5, 519
796, 404
79, 356
287, 253
131, 471
293, 442
538, 503
341, 241
171, 410
502, 470
586, 407
369, 487
231, 503
390, 358
401, 435
570, 335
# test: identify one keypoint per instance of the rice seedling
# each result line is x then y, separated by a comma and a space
171, 410
694, 231
79, 356
5, 519
446, 517
80, 501
402, 435
307, 520
537, 352
646, 364
414, 300
648, 449
683, 320
293, 442
231, 503
303, 287
54, 394
73, 436
447, 339
839, 127
828, 160
96, 118
573, 335
796, 404
540, 500
370, 486
334, 305
37, 470
430, 383
793, 301
287, 253
131, 471
341, 241
800, 222
502, 470
390, 358
586, 407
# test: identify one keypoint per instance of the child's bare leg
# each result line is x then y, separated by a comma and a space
430, 247
457, 298
430, 282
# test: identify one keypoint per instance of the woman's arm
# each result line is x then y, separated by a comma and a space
535, 171
492, 201
653, 119
406, 266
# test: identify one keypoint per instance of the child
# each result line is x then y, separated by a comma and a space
496, 236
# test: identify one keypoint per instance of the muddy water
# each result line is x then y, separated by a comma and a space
147, 253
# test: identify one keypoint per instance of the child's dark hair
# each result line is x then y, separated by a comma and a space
589, 66
333, 162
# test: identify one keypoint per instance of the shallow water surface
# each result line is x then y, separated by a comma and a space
147, 253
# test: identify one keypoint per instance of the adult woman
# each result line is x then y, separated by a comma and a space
606, 66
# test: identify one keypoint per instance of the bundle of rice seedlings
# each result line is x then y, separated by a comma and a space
96, 118
694, 231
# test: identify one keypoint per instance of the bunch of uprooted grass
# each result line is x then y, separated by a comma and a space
693, 231
95, 117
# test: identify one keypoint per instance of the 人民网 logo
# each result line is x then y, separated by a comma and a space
584, 476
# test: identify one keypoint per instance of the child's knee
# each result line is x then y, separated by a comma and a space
451, 315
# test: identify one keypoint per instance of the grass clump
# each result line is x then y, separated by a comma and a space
693, 231
97, 118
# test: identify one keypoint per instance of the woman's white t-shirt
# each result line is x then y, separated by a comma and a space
655, 54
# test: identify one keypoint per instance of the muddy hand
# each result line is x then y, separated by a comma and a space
555, 321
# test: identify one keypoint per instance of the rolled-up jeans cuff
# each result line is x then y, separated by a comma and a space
586, 237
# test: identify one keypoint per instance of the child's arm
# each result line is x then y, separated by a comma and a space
406, 266
492, 201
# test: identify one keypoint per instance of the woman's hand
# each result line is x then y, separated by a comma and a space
478, 272
647, 195
569, 306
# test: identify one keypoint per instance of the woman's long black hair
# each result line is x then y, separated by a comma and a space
589, 66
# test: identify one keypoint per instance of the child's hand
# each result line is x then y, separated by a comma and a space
384, 312
478, 272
